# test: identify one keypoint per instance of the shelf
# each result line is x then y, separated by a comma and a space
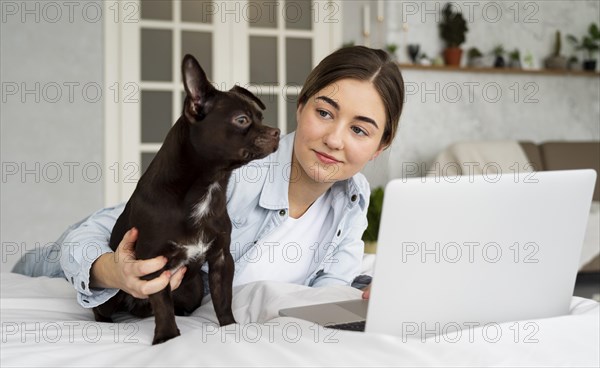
573, 73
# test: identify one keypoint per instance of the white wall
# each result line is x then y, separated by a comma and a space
526, 25
445, 107
49, 135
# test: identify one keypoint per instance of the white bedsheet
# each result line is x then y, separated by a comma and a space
42, 325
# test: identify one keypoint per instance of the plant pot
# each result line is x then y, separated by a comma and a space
514, 63
589, 65
476, 62
499, 62
452, 56
574, 65
556, 63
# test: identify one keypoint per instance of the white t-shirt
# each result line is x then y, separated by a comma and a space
287, 253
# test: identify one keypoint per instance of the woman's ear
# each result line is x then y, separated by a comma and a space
298, 111
382, 148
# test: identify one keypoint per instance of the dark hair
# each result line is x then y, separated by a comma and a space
365, 64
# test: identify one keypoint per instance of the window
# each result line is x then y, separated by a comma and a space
268, 47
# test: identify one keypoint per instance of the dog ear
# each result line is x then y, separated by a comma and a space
245, 92
197, 87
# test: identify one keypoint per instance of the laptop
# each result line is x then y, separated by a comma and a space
466, 251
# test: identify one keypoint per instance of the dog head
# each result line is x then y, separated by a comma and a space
227, 125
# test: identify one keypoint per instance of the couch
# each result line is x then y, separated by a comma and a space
476, 157
566, 156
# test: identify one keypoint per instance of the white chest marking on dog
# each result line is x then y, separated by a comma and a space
193, 251
197, 250
202, 208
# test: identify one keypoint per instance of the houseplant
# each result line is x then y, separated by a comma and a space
453, 29
556, 60
498, 52
590, 43
413, 52
391, 49
373, 219
529, 62
514, 59
474, 57
573, 63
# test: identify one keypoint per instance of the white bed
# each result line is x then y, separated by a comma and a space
42, 325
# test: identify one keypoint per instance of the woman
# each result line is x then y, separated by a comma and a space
298, 215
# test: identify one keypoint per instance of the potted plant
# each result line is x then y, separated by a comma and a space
474, 57
590, 43
438, 61
499, 56
529, 62
453, 29
391, 49
556, 60
424, 60
514, 59
373, 219
413, 52
573, 63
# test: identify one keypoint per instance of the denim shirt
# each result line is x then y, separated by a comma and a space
257, 202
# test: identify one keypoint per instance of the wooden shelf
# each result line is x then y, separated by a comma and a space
573, 73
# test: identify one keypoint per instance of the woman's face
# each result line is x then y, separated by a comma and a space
339, 130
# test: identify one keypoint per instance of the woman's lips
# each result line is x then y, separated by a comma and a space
326, 159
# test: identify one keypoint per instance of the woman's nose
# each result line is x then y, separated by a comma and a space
333, 138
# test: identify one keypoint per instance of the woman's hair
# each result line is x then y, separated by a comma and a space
365, 64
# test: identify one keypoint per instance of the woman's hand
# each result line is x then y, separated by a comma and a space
121, 270
366, 292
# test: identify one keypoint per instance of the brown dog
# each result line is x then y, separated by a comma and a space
179, 204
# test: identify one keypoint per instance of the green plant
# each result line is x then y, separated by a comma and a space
557, 44
515, 55
589, 42
391, 48
374, 215
453, 27
528, 59
348, 44
498, 50
474, 52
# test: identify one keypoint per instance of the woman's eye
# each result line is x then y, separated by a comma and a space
323, 113
358, 130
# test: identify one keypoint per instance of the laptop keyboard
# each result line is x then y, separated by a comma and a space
352, 326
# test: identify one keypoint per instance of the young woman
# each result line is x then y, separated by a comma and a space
298, 215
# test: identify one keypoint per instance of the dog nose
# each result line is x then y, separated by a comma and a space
275, 133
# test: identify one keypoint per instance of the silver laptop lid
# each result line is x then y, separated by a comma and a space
454, 252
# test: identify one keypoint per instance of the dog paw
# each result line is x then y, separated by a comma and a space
159, 338
227, 321
99, 317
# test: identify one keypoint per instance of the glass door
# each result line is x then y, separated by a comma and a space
268, 47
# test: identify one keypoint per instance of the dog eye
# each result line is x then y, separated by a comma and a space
242, 120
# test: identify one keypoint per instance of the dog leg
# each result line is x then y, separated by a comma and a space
99, 317
104, 312
164, 314
188, 296
220, 278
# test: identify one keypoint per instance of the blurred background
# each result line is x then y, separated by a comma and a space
90, 88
